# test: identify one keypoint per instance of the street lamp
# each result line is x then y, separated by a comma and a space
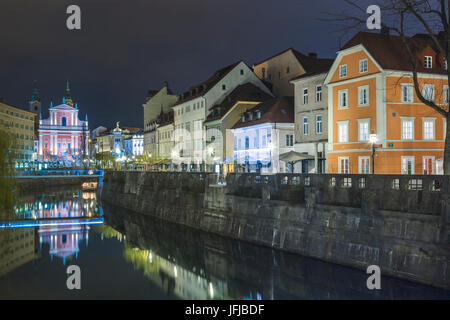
373, 140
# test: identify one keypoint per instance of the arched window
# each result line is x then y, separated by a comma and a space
64, 121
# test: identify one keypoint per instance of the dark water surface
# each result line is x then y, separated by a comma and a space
123, 255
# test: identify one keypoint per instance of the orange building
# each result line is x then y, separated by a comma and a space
372, 100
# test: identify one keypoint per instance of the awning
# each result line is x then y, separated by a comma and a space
293, 156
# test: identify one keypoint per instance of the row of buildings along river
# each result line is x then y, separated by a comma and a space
357, 112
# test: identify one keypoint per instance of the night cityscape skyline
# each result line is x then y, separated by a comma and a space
122, 60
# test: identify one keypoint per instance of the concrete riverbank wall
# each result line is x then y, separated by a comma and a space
399, 223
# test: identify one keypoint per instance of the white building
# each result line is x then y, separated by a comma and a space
263, 134
134, 145
191, 111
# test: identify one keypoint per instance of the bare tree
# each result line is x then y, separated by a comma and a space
404, 17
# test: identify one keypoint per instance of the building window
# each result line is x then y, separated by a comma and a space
428, 92
305, 126
364, 165
344, 165
428, 165
428, 129
343, 132
242, 72
289, 140
319, 124
428, 62
287, 70
363, 96
305, 96
224, 87
407, 128
363, 66
318, 93
247, 143
445, 129
343, 71
263, 73
364, 129
407, 93
407, 165
343, 99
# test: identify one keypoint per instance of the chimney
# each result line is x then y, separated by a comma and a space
166, 84
312, 55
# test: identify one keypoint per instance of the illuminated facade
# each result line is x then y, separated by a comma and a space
263, 134
63, 136
20, 124
371, 95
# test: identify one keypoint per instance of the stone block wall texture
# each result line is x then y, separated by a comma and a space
312, 217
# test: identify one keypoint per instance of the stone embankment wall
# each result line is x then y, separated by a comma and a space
399, 223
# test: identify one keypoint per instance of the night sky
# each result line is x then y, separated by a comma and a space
127, 47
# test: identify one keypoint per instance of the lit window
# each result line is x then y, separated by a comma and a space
428, 62
364, 129
428, 129
428, 92
407, 93
289, 140
319, 125
363, 66
363, 95
305, 126
364, 165
344, 165
407, 129
305, 96
407, 165
343, 71
343, 132
343, 99
318, 93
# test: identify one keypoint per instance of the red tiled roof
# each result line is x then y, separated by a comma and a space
277, 110
244, 92
390, 52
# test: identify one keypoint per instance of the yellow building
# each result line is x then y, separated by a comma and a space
20, 124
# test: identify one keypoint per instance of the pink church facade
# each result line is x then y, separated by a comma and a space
63, 136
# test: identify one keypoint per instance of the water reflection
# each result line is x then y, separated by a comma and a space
133, 256
195, 265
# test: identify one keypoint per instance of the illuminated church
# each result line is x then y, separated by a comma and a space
63, 136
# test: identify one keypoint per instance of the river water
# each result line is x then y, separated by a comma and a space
123, 255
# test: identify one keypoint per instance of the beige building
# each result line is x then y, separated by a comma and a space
20, 124
164, 133
311, 119
157, 102
281, 68
222, 118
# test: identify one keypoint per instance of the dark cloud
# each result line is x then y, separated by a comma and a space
127, 47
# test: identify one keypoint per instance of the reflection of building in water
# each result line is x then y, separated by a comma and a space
173, 278
17, 247
64, 240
